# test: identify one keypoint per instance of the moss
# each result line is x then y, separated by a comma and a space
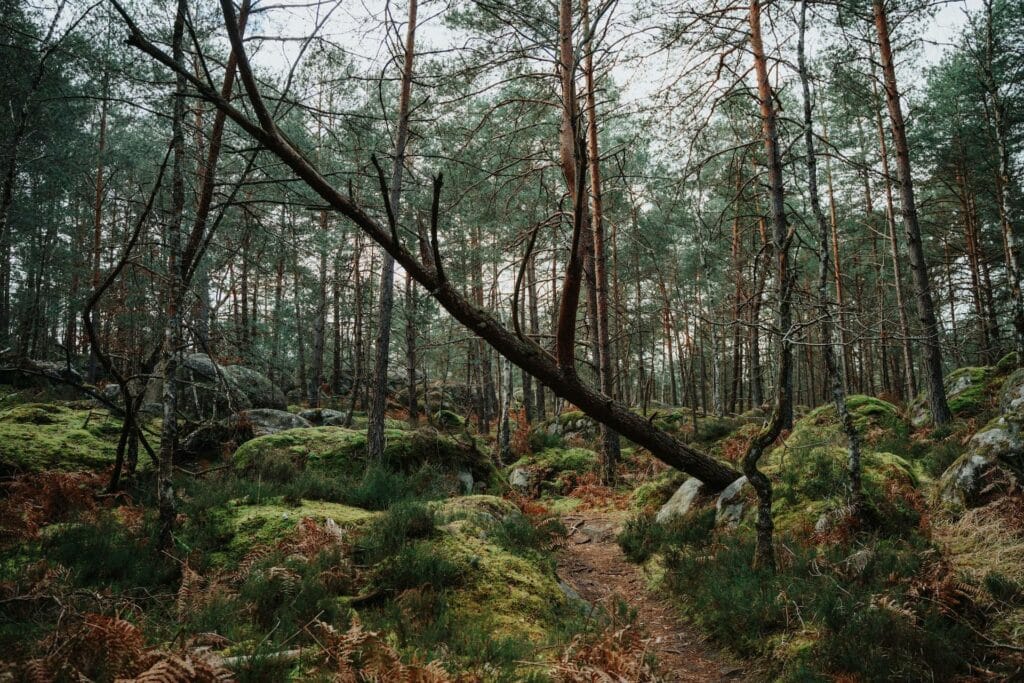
1007, 363
446, 419
970, 392
878, 422
257, 525
512, 595
481, 509
571, 416
38, 436
656, 492
337, 447
811, 482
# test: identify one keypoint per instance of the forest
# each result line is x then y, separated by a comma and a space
547, 340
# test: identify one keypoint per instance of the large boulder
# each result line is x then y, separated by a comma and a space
210, 391
681, 501
222, 437
324, 417
994, 458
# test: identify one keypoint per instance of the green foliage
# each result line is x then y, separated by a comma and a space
43, 436
642, 537
870, 630
108, 554
388, 534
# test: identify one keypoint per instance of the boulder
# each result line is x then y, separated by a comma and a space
680, 502
994, 458
211, 391
466, 481
324, 417
257, 387
224, 436
520, 478
732, 502
266, 421
966, 393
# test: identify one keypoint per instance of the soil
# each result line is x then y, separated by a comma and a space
594, 566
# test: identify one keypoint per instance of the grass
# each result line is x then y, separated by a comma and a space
799, 619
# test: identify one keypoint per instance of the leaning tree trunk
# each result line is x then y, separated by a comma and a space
375, 432
918, 265
835, 377
557, 373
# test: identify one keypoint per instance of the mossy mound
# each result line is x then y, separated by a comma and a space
555, 470
252, 526
878, 422
507, 593
345, 449
811, 484
448, 420
45, 436
481, 509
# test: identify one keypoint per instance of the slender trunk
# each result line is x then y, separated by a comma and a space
375, 432
910, 378
97, 215
610, 446
918, 265
782, 413
410, 348
316, 379
835, 378
173, 340
336, 330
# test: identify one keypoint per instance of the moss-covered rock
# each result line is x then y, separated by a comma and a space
555, 470
877, 421
38, 436
448, 420
337, 447
654, 493
509, 594
810, 484
253, 526
969, 391
993, 460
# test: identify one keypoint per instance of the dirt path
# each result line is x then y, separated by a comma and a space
593, 565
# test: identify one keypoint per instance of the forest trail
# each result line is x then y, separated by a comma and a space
593, 565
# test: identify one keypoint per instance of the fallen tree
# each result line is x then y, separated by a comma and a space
557, 372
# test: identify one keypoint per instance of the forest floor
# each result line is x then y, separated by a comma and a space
593, 565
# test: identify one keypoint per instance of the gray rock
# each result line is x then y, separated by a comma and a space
266, 421
995, 450
257, 387
324, 417
210, 391
466, 479
520, 478
731, 503
680, 502
218, 438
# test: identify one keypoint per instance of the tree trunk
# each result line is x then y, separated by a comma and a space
782, 413
375, 432
835, 377
918, 265
173, 340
